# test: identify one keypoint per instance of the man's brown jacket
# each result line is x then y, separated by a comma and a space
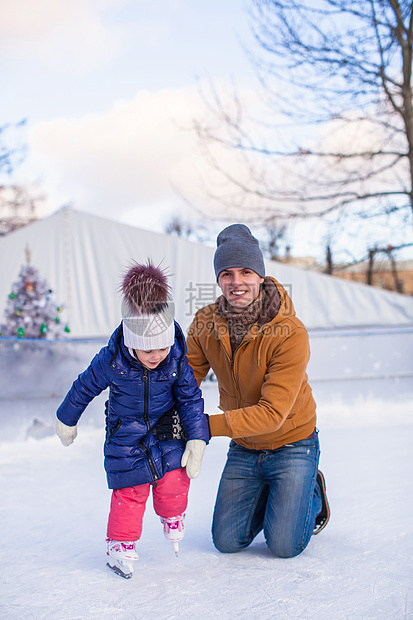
264, 393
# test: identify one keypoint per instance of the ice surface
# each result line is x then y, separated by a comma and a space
54, 504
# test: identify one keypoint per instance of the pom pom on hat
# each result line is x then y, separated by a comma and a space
147, 308
145, 288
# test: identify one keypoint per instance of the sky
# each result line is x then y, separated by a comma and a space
110, 90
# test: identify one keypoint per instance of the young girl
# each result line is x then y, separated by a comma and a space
147, 372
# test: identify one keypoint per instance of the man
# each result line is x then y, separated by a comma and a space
259, 350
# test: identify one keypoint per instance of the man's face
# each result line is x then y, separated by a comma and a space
240, 286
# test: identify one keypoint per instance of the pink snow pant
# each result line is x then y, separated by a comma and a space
127, 507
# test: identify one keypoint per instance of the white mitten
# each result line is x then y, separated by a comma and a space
192, 457
66, 434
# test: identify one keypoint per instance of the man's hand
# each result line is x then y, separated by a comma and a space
169, 427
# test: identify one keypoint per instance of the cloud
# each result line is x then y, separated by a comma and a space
137, 160
127, 160
64, 34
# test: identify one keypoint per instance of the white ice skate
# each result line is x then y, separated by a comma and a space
174, 530
122, 556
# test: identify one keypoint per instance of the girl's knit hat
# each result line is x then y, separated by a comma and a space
147, 308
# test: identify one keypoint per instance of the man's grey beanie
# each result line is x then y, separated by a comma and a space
236, 247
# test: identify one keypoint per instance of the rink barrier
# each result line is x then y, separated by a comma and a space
40, 368
361, 354
361, 331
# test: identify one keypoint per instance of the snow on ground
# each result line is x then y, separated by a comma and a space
54, 504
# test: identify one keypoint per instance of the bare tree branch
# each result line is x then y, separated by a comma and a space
17, 202
337, 75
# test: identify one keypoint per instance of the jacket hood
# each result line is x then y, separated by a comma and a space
278, 304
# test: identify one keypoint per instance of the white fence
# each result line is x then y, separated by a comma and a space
354, 365
346, 365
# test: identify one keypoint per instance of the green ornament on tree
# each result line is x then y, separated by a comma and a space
67, 329
31, 311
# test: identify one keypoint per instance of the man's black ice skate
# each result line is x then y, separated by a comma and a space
324, 516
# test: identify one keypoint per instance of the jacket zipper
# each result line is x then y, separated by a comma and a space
232, 363
148, 426
234, 378
114, 429
151, 464
146, 399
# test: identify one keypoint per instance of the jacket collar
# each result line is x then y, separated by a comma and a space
277, 306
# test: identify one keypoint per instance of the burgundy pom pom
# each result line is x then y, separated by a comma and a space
145, 288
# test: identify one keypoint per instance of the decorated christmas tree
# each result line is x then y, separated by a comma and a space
31, 311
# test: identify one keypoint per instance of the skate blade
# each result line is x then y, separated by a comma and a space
176, 548
124, 570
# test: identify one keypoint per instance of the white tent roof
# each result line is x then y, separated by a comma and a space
83, 258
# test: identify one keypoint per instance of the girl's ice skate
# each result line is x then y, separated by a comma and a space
173, 529
122, 556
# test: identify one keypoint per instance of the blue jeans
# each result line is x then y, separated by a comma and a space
273, 490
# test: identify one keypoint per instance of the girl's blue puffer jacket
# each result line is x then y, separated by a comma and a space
138, 397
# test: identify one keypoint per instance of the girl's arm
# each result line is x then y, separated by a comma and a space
89, 384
